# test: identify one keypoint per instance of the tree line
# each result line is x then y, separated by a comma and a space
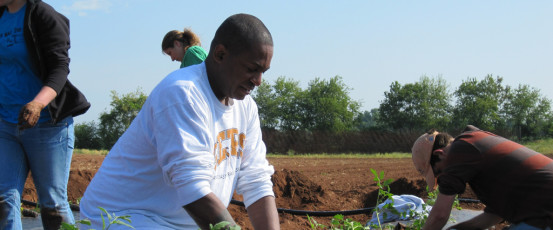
325, 106
520, 112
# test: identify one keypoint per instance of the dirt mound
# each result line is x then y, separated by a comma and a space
78, 181
293, 189
401, 186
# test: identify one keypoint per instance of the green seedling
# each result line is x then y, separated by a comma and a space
112, 219
337, 223
224, 225
314, 225
383, 194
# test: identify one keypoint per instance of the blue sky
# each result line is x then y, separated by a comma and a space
116, 43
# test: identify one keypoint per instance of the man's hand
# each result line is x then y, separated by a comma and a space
29, 115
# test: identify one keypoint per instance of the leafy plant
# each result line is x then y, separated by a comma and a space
337, 223
111, 219
66, 226
224, 225
383, 194
313, 223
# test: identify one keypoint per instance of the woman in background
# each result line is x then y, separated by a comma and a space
183, 46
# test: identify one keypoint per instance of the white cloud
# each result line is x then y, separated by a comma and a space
82, 6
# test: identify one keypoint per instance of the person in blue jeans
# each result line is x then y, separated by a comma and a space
37, 106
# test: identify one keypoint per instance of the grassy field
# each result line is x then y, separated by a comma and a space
90, 151
544, 146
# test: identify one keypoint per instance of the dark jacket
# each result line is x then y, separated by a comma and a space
46, 35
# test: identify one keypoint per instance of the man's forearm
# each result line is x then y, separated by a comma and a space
263, 214
440, 212
208, 210
435, 221
482, 221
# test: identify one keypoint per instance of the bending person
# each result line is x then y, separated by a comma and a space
183, 46
514, 182
196, 141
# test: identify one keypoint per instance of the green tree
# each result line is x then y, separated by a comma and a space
267, 106
368, 120
290, 99
123, 110
324, 106
280, 104
328, 106
479, 103
528, 112
416, 106
86, 136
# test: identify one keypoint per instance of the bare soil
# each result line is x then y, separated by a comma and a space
310, 184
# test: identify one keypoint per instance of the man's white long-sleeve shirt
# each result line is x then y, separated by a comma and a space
182, 145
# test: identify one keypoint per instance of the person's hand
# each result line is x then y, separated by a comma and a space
29, 114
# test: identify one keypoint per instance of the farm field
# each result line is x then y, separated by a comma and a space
310, 184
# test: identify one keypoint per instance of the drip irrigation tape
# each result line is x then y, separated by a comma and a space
314, 213
333, 213
284, 210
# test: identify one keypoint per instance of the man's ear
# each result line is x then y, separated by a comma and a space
220, 53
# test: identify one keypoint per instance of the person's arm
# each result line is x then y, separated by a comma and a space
208, 210
181, 134
45, 96
30, 113
254, 181
51, 33
263, 214
440, 212
482, 221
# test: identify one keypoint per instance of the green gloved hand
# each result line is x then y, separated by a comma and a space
29, 114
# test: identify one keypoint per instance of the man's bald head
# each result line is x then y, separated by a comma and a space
241, 32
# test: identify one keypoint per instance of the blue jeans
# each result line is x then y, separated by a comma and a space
45, 150
524, 226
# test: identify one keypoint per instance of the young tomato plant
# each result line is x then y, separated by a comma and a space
383, 194
223, 225
314, 225
337, 223
111, 219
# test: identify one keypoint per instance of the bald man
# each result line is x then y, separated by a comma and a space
195, 142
